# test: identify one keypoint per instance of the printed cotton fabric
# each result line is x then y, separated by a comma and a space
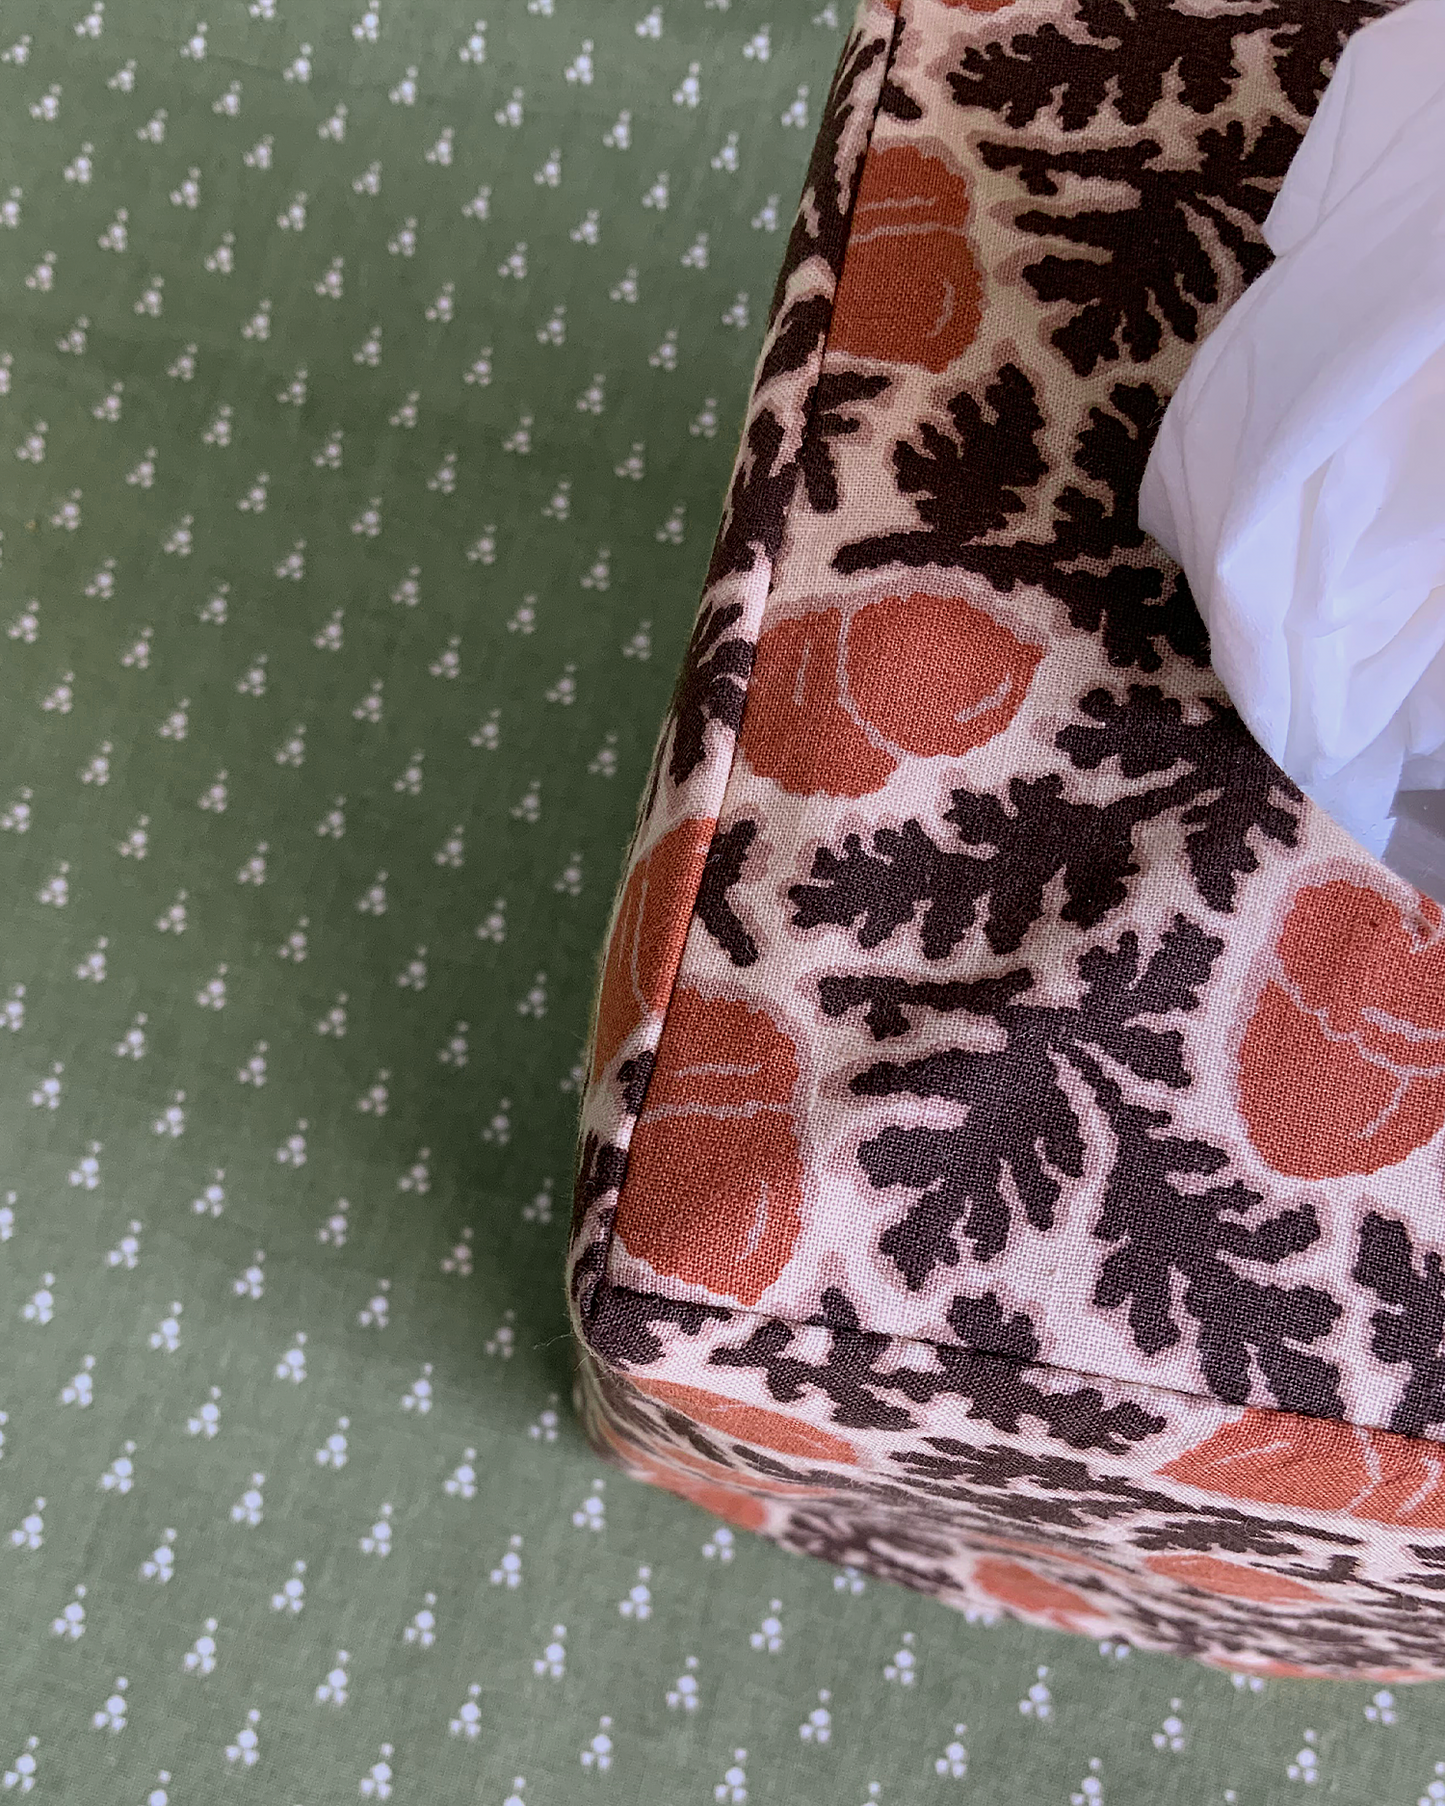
1012, 1163
398, 1574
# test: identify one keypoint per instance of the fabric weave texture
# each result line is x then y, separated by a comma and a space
1012, 1163
398, 1572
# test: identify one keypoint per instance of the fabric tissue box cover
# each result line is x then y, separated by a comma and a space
1012, 1159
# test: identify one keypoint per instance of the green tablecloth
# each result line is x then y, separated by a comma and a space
369, 386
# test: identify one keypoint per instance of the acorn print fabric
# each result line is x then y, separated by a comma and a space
1013, 1161
370, 379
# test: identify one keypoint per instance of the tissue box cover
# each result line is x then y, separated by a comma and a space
1011, 1162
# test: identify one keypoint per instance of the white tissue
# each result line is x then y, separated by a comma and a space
1299, 472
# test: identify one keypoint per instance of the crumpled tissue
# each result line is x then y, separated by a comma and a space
1299, 471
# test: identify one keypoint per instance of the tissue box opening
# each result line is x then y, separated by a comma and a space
1416, 848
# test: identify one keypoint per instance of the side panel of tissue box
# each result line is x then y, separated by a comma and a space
1011, 1163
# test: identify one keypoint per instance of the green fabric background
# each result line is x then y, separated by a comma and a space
153, 1192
